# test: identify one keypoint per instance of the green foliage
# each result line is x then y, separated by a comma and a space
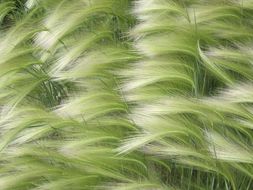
126, 95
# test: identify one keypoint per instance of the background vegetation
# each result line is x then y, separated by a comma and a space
126, 94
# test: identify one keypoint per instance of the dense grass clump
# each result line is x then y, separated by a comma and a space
126, 94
